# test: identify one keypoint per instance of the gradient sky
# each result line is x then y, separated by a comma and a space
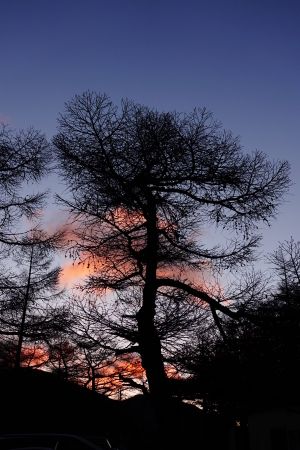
238, 58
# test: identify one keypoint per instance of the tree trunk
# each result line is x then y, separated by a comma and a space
150, 350
21, 333
93, 380
149, 342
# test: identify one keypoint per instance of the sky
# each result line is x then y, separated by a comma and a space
238, 58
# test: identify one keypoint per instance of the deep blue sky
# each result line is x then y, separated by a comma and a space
238, 58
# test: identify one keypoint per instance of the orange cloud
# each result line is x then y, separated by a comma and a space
34, 356
73, 273
110, 375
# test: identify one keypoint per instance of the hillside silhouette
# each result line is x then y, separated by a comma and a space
37, 401
34, 401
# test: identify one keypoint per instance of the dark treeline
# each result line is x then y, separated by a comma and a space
161, 312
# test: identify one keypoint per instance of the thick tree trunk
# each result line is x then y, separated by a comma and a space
150, 350
149, 342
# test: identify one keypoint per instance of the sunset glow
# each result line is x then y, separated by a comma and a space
73, 273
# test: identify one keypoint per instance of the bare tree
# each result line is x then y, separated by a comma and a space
244, 369
24, 159
63, 358
143, 187
29, 300
285, 263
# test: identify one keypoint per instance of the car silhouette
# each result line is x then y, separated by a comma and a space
51, 442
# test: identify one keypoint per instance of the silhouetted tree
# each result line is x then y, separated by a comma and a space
285, 263
143, 186
24, 159
63, 359
29, 301
255, 365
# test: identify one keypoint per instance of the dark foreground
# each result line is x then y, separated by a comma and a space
33, 401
